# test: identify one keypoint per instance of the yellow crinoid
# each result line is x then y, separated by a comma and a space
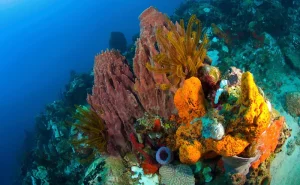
182, 52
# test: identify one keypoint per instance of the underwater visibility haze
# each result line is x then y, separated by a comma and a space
41, 42
150, 92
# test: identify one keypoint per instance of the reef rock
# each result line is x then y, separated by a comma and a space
293, 58
293, 103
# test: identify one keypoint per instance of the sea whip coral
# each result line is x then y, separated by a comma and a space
114, 100
147, 84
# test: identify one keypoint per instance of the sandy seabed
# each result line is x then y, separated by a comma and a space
285, 170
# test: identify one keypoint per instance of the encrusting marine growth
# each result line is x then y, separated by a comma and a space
174, 110
166, 109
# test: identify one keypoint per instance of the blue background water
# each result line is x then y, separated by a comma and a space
40, 42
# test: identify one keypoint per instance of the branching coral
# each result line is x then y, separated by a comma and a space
92, 127
148, 164
181, 51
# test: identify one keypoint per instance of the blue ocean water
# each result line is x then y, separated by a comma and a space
40, 43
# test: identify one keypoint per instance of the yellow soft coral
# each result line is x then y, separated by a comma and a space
181, 52
189, 100
254, 115
228, 146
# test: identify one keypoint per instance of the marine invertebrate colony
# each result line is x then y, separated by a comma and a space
176, 175
92, 128
146, 85
164, 155
254, 115
114, 99
181, 51
175, 115
189, 100
170, 109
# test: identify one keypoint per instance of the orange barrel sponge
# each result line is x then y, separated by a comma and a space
268, 141
190, 154
254, 116
228, 146
189, 100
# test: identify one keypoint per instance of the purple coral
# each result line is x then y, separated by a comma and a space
164, 155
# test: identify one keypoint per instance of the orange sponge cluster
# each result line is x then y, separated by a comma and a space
186, 134
254, 115
189, 100
268, 141
228, 146
190, 154
250, 125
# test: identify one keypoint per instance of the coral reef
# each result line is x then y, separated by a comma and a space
237, 179
209, 76
293, 103
228, 146
77, 88
184, 115
115, 171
